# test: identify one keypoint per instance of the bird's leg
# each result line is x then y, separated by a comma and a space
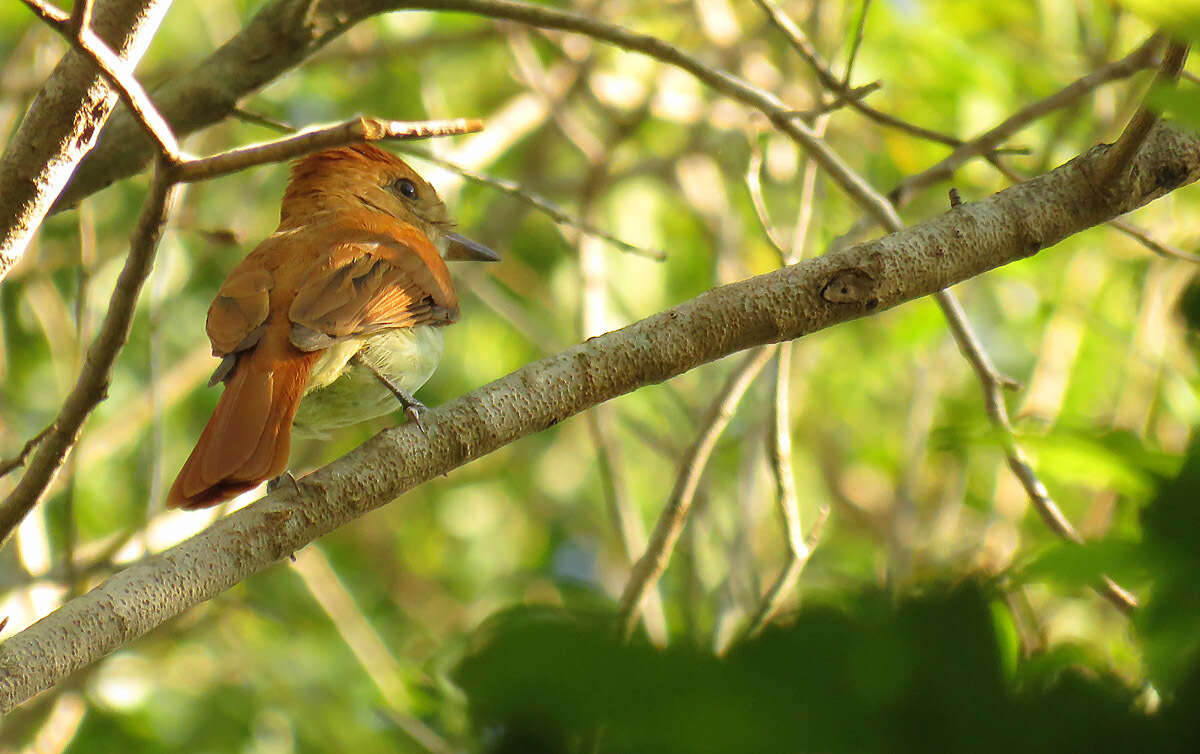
412, 407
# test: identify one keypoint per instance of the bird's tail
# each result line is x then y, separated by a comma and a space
249, 435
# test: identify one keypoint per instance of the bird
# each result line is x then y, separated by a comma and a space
330, 321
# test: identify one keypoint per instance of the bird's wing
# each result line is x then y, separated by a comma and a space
372, 282
238, 315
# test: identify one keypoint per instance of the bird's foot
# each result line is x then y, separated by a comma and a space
413, 409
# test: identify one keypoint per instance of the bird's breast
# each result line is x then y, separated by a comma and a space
341, 392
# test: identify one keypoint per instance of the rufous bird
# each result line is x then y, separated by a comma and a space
330, 320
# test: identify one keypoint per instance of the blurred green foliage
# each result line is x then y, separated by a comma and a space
864, 672
479, 605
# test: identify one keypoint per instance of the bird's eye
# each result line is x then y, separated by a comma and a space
407, 188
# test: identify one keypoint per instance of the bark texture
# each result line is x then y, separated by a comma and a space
63, 121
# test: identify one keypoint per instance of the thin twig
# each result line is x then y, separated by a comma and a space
530, 70
837, 102
973, 350
991, 380
1153, 244
797, 559
17, 461
1140, 59
360, 636
545, 206
719, 80
1120, 155
92, 385
73, 27
754, 184
779, 441
780, 435
258, 119
859, 32
653, 562
316, 138
512, 189
81, 15
987, 144
800, 42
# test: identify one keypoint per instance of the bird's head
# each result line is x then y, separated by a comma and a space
366, 176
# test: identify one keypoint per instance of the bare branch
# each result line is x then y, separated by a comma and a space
17, 461
92, 385
536, 201
1138, 60
277, 38
1121, 153
513, 10
797, 559
81, 15
837, 102
754, 184
546, 207
800, 42
779, 443
991, 383
859, 32
364, 641
317, 138
653, 561
62, 124
1153, 244
75, 30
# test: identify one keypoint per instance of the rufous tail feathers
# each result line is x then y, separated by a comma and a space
249, 435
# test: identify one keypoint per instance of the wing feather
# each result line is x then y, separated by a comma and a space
377, 282
237, 317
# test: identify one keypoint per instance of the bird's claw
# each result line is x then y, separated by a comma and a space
413, 409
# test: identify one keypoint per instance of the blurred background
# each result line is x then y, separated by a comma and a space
358, 644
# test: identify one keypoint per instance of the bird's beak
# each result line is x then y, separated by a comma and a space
462, 249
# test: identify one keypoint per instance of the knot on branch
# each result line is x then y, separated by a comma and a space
852, 285
1170, 175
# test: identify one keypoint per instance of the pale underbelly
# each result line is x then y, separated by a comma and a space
341, 392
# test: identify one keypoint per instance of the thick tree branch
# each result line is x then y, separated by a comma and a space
62, 123
782, 305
